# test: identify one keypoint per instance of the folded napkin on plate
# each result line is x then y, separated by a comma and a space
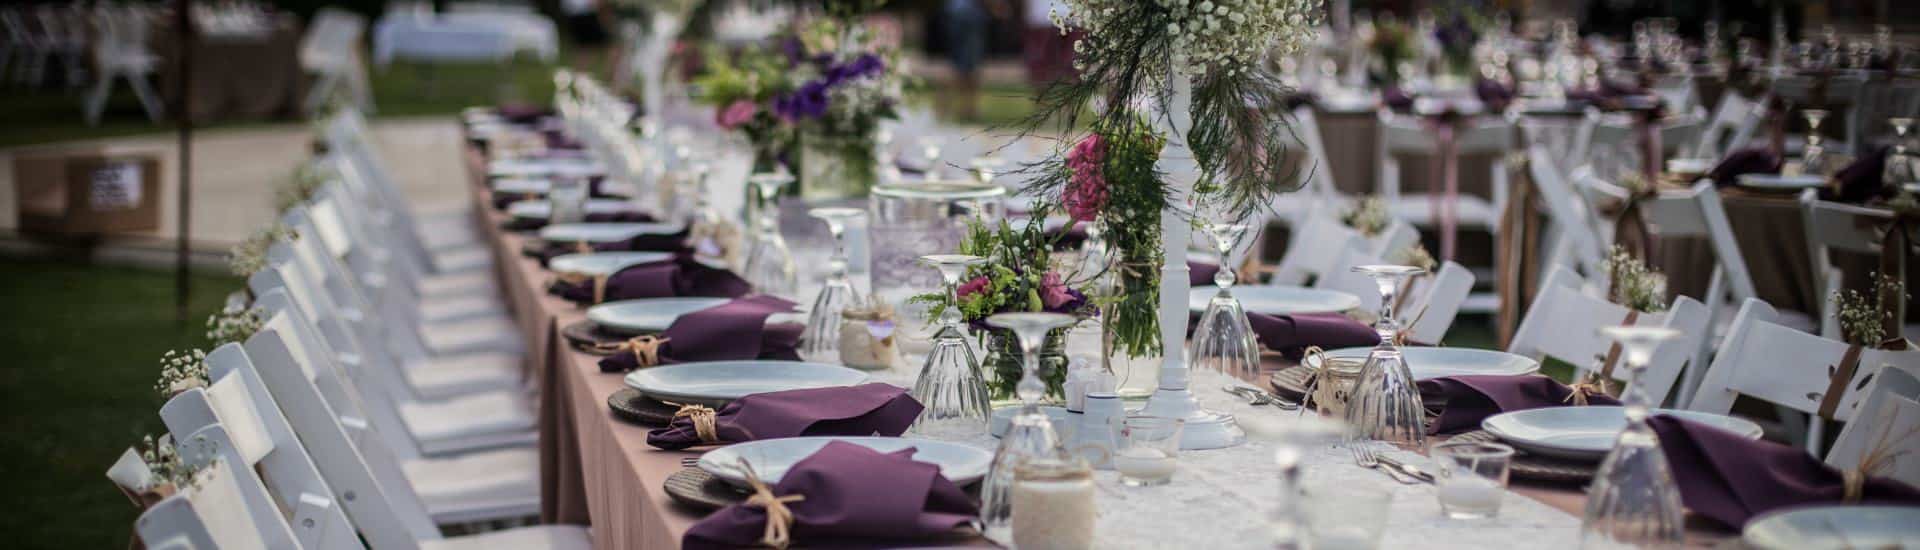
1731, 479
846, 492
1491, 92
1756, 160
1396, 99
652, 242
1860, 180
720, 333
523, 113
681, 277
863, 410
529, 224
1292, 334
502, 200
1463, 401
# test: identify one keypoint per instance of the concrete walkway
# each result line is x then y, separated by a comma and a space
235, 173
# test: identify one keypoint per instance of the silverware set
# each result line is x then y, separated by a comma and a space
1257, 396
1408, 474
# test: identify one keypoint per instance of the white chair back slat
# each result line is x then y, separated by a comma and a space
1765, 360
1313, 249
1837, 226
174, 524
334, 369
232, 501
1576, 244
1437, 301
1888, 422
1564, 323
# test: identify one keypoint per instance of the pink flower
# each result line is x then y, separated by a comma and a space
735, 114
969, 288
1053, 290
1086, 192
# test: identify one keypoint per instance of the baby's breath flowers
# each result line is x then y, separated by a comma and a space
1416, 256
1635, 286
1369, 216
251, 255
165, 464
300, 186
234, 324
181, 371
1862, 321
1214, 35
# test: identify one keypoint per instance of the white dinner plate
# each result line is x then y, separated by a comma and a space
1691, 165
522, 186
1776, 182
540, 209
646, 315
602, 232
1003, 417
558, 166
1429, 362
771, 458
1587, 433
1835, 527
603, 263
1278, 300
715, 383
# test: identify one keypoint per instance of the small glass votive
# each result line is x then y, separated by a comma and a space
1346, 516
1472, 477
1147, 450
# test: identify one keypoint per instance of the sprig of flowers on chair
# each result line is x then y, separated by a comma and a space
181, 371
300, 186
1634, 285
1369, 216
1863, 320
250, 255
164, 462
234, 324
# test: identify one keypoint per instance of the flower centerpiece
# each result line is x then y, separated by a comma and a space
1020, 275
839, 85
1391, 45
1864, 319
741, 86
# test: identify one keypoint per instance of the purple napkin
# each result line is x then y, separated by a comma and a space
1463, 401
523, 113
1396, 99
674, 242
1860, 180
863, 410
852, 492
529, 224
1756, 160
1201, 273
1731, 479
679, 277
721, 333
1291, 334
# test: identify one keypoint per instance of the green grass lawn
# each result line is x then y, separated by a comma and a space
86, 343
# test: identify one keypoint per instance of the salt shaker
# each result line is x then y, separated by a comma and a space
1093, 437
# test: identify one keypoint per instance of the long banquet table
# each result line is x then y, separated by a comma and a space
598, 470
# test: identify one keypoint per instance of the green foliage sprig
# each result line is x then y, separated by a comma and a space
1863, 322
1634, 285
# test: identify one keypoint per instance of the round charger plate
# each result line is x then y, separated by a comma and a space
631, 406
1532, 466
602, 232
1588, 433
716, 383
1291, 381
1835, 527
584, 334
696, 488
604, 263
1277, 300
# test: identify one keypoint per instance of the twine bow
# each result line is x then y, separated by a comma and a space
1886, 447
778, 532
1318, 356
645, 348
1579, 393
583, 247
599, 283
705, 425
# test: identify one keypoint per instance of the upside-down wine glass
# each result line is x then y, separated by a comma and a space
769, 267
930, 154
1813, 159
951, 385
1030, 433
1899, 170
821, 341
1386, 404
1223, 341
1633, 500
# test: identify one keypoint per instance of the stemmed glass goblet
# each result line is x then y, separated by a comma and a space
1899, 170
1030, 434
1385, 404
1223, 341
1813, 160
930, 154
951, 385
821, 341
1633, 500
769, 267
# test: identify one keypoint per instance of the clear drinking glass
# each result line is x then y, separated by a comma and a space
951, 386
1385, 404
1472, 477
985, 167
1291, 438
821, 341
1148, 450
930, 156
1813, 160
769, 266
1346, 515
1223, 341
1633, 500
1030, 434
1899, 169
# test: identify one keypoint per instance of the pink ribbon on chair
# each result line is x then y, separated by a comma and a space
1446, 166
1650, 149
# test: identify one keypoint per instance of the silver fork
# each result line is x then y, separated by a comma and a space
689, 461
1364, 456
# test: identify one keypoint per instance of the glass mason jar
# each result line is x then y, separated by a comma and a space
910, 220
1003, 364
836, 167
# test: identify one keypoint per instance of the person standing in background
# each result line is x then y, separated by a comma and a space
966, 29
1048, 51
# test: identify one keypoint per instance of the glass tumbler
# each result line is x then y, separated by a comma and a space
1148, 450
1472, 477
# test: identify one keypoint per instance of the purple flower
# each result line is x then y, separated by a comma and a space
810, 101
1086, 192
1055, 294
865, 65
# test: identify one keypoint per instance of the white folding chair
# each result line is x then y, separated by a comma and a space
1319, 192
442, 243
1889, 416
1569, 233
1480, 136
1733, 123
227, 506
1843, 95
237, 401
1314, 247
1428, 309
1564, 323
331, 50
1838, 226
121, 52
1765, 360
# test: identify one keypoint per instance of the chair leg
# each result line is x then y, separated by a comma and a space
148, 100
96, 103
317, 96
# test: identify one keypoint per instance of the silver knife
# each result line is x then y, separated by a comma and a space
1409, 469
